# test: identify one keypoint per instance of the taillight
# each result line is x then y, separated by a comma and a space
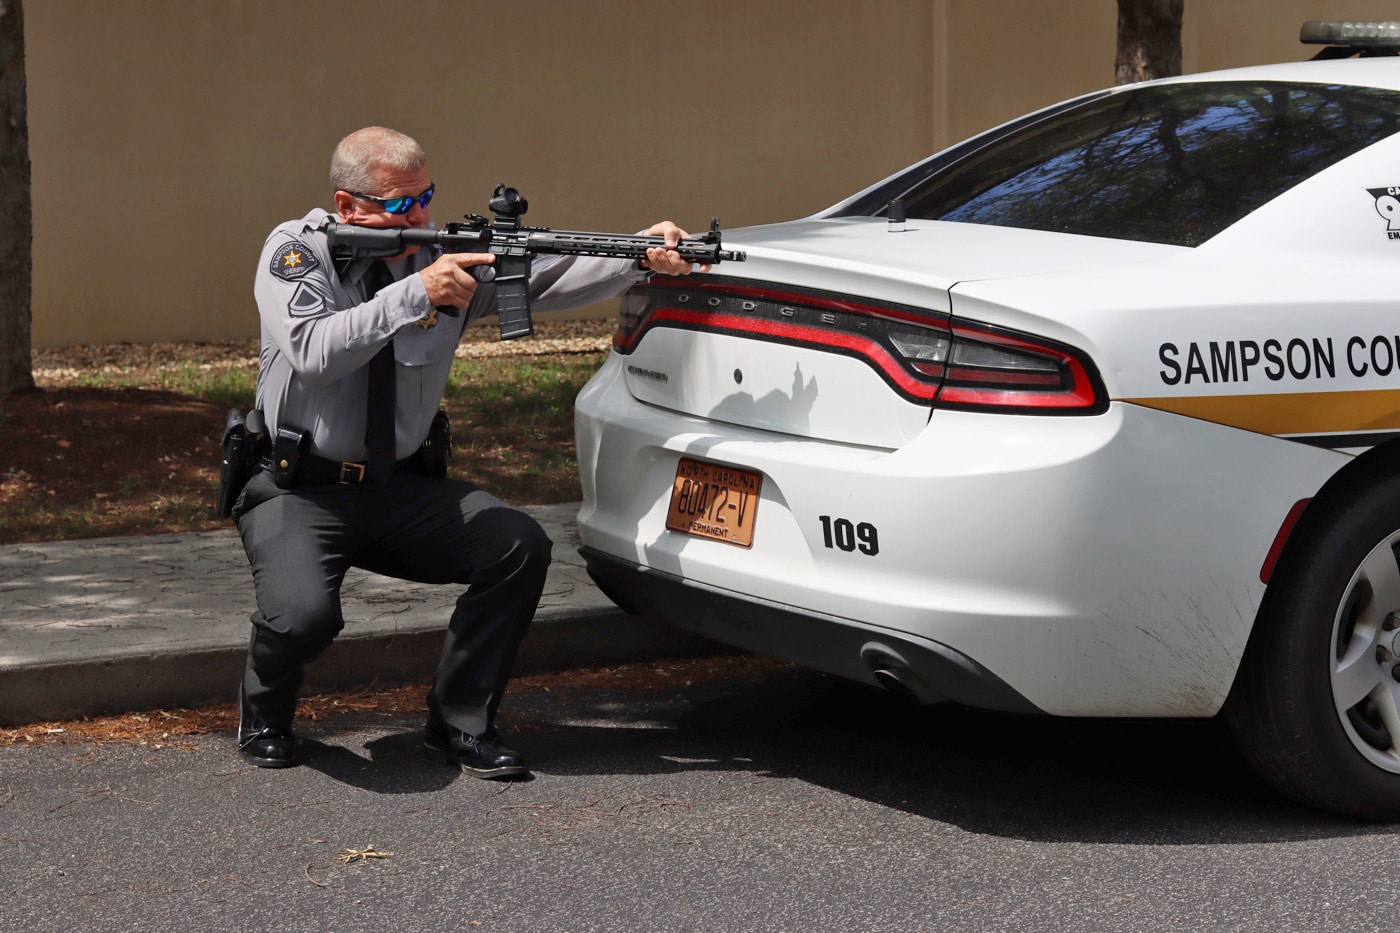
631, 314
924, 356
925, 351
992, 369
986, 369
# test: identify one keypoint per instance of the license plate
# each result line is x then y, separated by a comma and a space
713, 501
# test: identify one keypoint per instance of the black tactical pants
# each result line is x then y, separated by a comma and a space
301, 542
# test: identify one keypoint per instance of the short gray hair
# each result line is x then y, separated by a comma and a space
356, 156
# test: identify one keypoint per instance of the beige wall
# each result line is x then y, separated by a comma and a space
169, 136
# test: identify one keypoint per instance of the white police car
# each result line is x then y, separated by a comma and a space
1095, 414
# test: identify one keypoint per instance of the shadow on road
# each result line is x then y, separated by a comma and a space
1039, 779
1034, 778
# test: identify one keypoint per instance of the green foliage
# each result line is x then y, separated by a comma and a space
512, 424
514, 391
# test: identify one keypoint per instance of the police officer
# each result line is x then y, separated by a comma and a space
353, 364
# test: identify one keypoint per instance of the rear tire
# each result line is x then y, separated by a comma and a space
1316, 708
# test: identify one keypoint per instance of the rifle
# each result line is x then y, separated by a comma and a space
513, 246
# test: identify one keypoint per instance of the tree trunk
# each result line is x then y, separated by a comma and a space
1149, 40
16, 215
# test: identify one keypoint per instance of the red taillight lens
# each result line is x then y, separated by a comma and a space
979, 368
924, 356
993, 369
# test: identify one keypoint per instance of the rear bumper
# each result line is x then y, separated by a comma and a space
916, 667
1100, 566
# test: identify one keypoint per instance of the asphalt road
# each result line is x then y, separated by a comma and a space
784, 801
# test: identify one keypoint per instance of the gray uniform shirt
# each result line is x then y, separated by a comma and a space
319, 331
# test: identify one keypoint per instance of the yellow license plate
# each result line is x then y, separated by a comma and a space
713, 501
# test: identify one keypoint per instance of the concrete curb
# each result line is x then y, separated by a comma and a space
121, 624
128, 683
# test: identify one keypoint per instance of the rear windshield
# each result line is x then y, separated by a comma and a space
1170, 164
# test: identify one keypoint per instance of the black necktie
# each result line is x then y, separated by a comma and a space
379, 405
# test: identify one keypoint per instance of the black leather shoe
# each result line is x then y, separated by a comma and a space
261, 744
480, 757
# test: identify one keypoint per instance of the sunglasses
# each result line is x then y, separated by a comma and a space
399, 205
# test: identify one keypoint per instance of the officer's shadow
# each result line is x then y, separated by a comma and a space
392, 764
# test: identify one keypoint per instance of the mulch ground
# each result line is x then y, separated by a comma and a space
81, 460
177, 727
106, 461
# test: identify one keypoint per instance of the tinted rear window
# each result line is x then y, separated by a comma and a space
1171, 164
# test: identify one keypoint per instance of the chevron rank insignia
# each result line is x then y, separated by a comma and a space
306, 302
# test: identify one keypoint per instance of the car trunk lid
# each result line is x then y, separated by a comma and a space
840, 329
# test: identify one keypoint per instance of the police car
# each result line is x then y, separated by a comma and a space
1094, 414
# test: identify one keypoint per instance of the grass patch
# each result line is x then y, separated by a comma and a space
513, 424
234, 388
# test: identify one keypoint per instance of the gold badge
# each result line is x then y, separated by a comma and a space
428, 321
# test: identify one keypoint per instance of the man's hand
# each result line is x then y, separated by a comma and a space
668, 261
449, 280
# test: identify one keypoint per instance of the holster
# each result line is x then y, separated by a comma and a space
238, 461
437, 449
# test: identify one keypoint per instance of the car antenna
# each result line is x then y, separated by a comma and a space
895, 212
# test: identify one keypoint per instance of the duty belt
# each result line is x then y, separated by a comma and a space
321, 471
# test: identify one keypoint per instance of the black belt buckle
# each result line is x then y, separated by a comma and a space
351, 473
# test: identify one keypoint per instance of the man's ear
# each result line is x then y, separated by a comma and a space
344, 206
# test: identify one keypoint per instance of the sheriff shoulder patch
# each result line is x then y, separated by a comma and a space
292, 261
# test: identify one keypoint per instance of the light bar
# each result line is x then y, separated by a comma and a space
1360, 35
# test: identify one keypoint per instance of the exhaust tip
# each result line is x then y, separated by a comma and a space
894, 683
894, 674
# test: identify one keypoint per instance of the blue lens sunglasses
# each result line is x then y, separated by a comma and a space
399, 205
